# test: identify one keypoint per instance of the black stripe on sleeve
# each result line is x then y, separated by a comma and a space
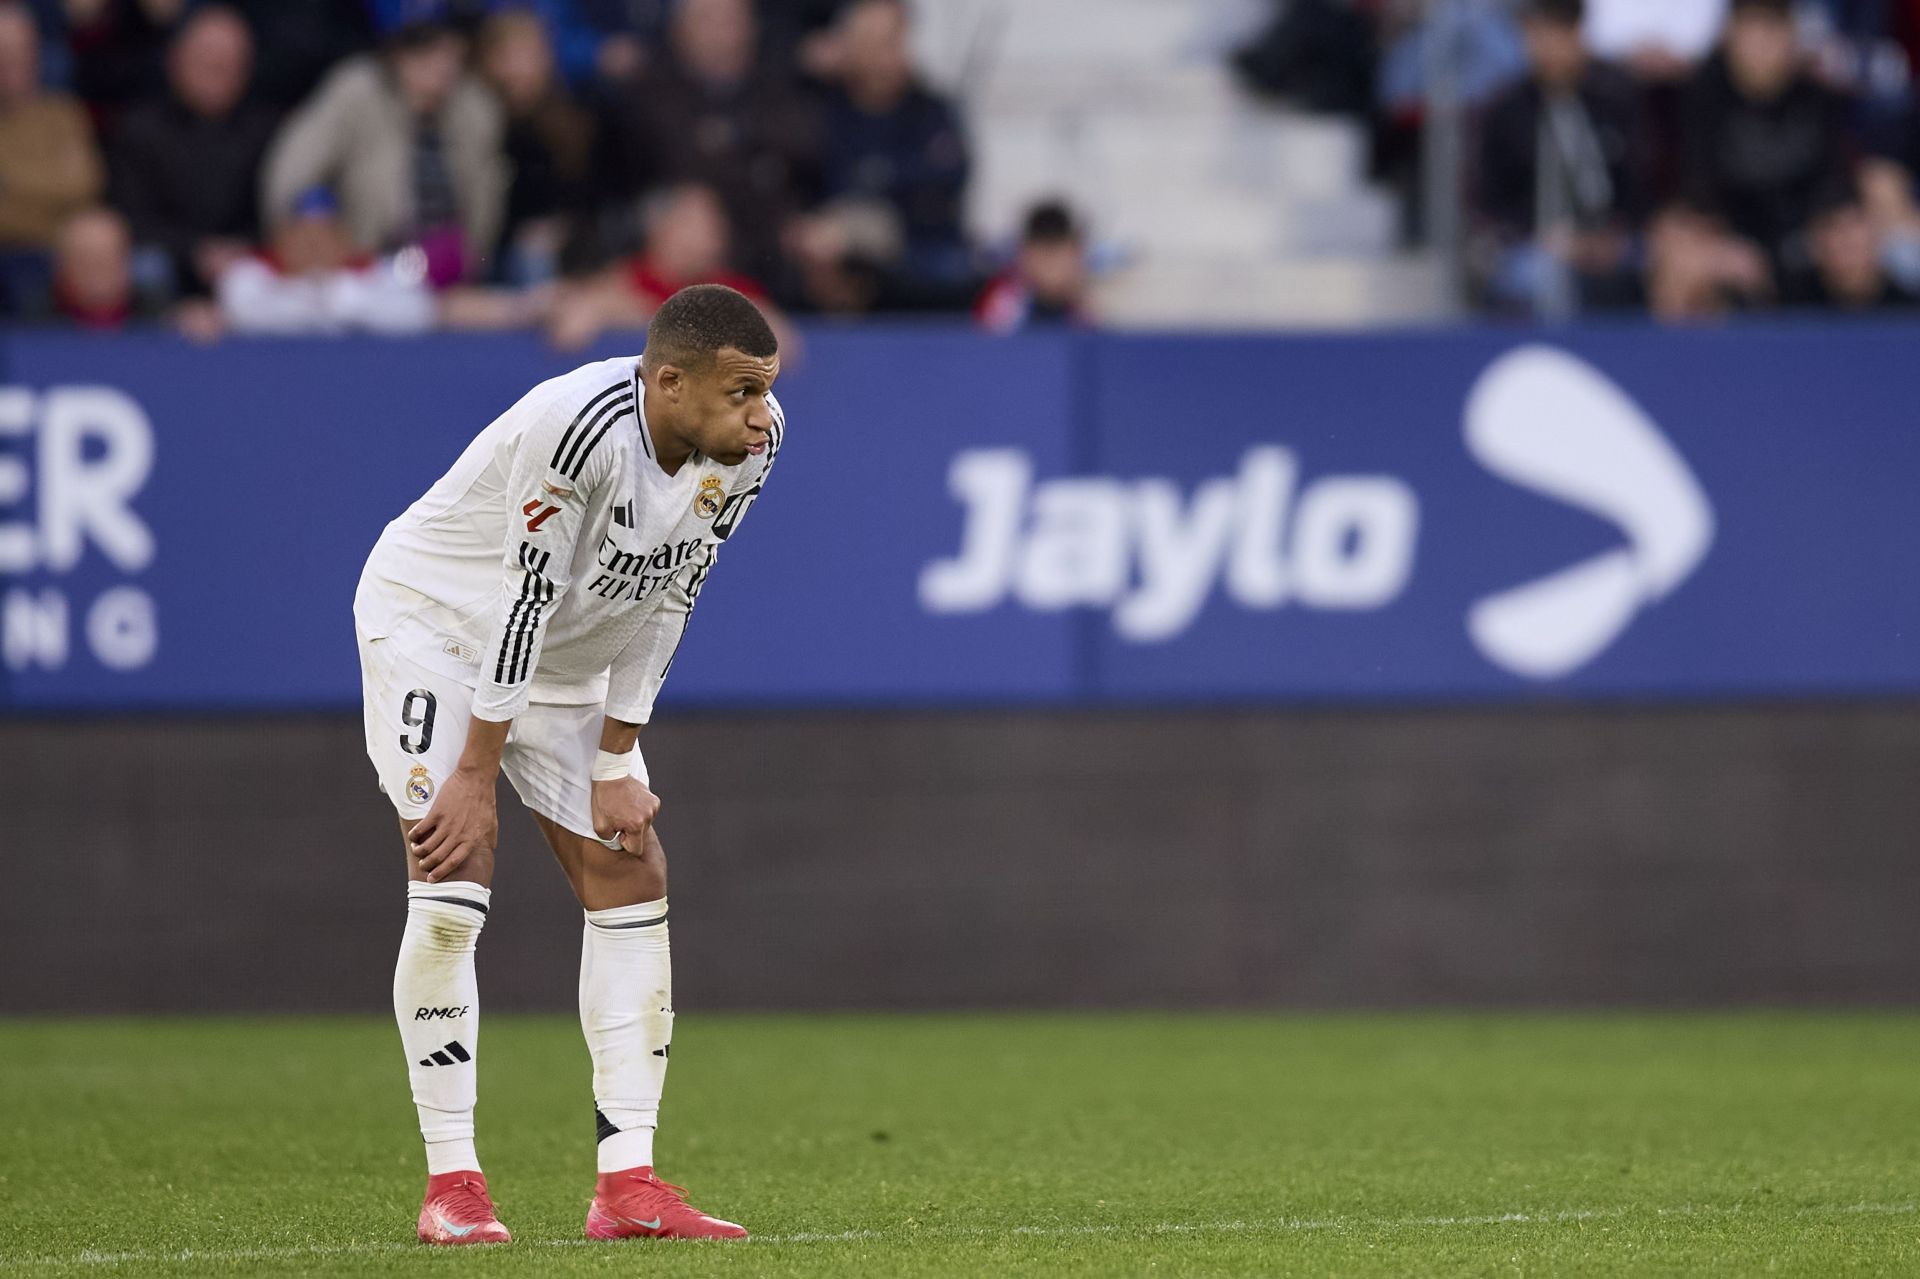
610, 413
506, 636
573, 472
591, 405
535, 591
543, 596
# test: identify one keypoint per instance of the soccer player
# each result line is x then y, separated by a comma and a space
520, 617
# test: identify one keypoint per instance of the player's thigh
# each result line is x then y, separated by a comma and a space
603, 877
549, 759
416, 728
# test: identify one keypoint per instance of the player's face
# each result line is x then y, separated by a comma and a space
727, 417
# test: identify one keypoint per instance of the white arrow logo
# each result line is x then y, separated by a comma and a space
1549, 422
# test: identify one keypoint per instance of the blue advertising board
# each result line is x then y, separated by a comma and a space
1055, 518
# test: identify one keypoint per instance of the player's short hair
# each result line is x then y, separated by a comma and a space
701, 320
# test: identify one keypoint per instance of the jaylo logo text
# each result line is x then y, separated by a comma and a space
1266, 536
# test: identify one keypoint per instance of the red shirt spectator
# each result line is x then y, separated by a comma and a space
1048, 281
688, 241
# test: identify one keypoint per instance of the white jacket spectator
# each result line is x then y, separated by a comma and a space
411, 146
312, 282
1654, 36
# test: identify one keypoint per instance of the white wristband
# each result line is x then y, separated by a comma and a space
609, 767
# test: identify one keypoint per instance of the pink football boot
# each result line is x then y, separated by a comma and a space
635, 1204
459, 1211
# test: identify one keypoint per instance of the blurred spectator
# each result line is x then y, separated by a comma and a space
412, 146
800, 34
313, 279
893, 144
687, 241
592, 37
56, 59
186, 169
549, 143
1886, 192
1657, 40
849, 259
1696, 271
1765, 144
1048, 282
624, 30
1848, 273
710, 113
1481, 34
1486, 51
93, 272
1317, 55
1559, 182
118, 50
49, 167
298, 41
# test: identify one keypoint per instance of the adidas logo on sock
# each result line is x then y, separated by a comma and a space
446, 1056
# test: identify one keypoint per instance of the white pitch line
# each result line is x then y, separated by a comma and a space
1283, 1225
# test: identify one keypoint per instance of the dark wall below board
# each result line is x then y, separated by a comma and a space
1561, 856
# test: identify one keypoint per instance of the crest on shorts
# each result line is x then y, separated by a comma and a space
711, 497
419, 785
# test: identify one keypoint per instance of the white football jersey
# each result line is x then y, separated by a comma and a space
556, 562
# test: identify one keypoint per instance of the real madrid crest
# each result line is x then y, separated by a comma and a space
711, 497
419, 785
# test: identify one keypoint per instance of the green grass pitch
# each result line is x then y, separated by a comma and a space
1735, 1144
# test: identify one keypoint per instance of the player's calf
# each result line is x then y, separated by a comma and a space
436, 1001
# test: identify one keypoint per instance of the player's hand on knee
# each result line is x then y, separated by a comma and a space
624, 808
462, 821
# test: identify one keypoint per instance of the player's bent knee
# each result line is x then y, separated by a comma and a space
641, 876
476, 867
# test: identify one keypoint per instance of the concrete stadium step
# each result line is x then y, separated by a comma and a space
1248, 147
1225, 223
1306, 293
1154, 212
1094, 89
1232, 212
1109, 32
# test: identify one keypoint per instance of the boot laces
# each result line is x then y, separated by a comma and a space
666, 1189
466, 1200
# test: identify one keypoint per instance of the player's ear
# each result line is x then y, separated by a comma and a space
670, 381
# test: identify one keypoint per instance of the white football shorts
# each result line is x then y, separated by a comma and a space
417, 717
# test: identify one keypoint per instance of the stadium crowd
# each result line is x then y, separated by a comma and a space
320, 166
1696, 157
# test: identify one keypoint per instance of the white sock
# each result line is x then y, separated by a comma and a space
437, 1003
626, 1010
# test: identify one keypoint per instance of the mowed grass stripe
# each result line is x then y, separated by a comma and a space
1280, 1226
1084, 1144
